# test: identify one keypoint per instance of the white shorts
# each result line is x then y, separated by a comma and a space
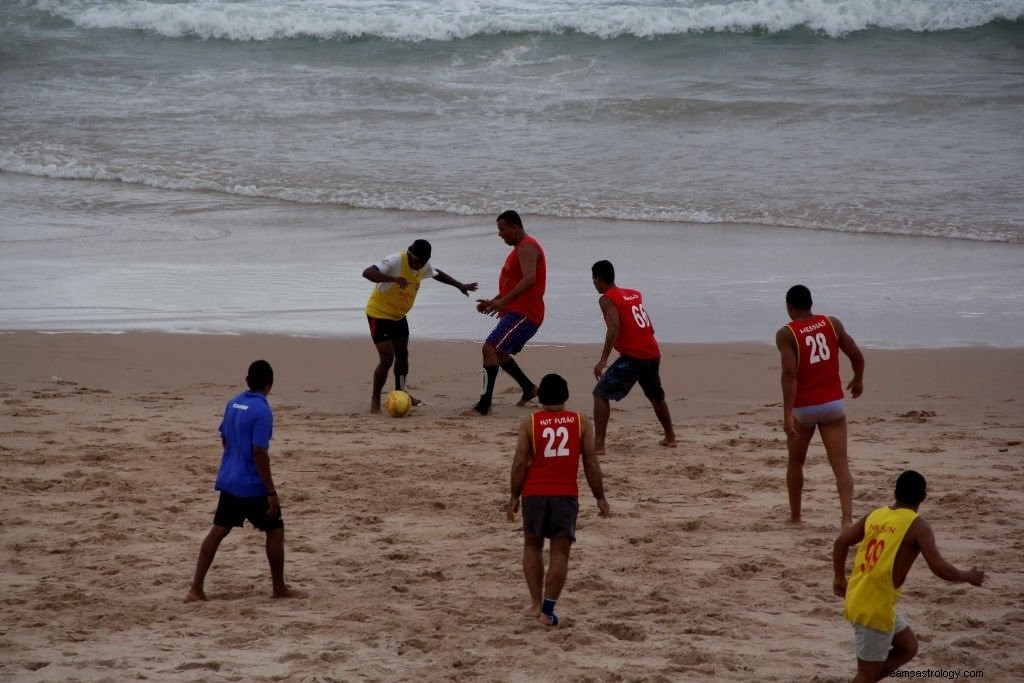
822, 413
872, 645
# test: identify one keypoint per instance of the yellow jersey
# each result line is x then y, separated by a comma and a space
388, 300
870, 594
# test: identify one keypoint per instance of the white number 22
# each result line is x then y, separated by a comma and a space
552, 434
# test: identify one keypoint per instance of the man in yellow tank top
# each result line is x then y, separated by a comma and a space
397, 281
890, 539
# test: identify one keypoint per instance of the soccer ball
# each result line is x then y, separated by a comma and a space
398, 403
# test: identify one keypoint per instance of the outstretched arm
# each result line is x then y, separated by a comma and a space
447, 279
853, 352
592, 468
925, 539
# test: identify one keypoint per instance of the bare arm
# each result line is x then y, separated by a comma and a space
611, 321
853, 352
447, 279
262, 459
850, 536
520, 463
924, 537
592, 468
374, 274
786, 344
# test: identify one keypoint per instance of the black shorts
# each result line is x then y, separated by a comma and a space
384, 330
233, 511
626, 371
551, 516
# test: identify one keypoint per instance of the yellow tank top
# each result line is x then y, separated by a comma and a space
391, 302
870, 594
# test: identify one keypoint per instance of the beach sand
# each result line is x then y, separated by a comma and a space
396, 529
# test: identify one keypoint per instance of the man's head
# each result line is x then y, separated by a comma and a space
260, 377
603, 274
798, 299
419, 254
911, 488
552, 391
510, 227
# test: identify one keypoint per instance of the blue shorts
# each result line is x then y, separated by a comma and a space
512, 332
619, 378
551, 516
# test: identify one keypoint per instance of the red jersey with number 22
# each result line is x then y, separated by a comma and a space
557, 445
817, 374
636, 333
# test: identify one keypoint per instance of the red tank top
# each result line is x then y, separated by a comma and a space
636, 333
817, 374
557, 439
531, 302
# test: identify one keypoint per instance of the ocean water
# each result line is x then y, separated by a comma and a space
233, 165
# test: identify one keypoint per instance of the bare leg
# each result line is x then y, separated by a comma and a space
904, 648
833, 436
797, 446
275, 555
558, 569
207, 551
533, 570
661, 410
602, 411
386, 352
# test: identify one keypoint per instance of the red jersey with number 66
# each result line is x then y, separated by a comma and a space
636, 333
817, 374
557, 445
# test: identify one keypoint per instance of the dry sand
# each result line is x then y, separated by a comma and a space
395, 526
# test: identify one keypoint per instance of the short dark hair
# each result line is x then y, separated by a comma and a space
510, 216
421, 250
260, 376
604, 271
553, 390
911, 488
799, 297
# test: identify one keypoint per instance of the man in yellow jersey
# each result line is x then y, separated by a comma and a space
398, 279
890, 539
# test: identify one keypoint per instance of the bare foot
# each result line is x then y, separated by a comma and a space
375, 405
473, 412
795, 521
415, 401
599, 450
548, 621
291, 593
195, 596
668, 442
527, 397
532, 611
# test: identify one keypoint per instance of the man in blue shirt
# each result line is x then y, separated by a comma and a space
245, 482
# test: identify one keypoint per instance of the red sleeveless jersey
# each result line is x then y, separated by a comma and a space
636, 333
531, 302
817, 374
557, 446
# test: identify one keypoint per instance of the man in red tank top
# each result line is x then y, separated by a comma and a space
631, 333
812, 395
551, 444
519, 307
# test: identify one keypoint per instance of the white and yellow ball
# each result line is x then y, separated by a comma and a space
398, 403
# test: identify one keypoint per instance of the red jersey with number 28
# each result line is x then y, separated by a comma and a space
817, 373
557, 445
636, 333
